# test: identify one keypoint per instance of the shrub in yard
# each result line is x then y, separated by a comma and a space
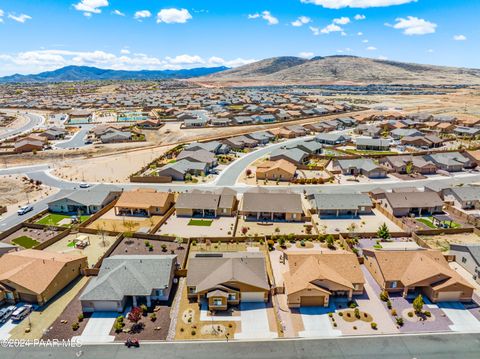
80, 317
153, 317
147, 243
389, 304
418, 304
150, 248
410, 314
182, 330
427, 313
394, 312
164, 247
352, 304
194, 243
354, 328
193, 332
270, 243
399, 321
374, 325
144, 309
384, 296
281, 242
330, 315
357, 313
340, 314
135, 315
302, 243
75, 326
118, 325
335, 325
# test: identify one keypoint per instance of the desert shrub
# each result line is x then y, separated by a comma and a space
357, 313
384, 296
373, 325
75, 326
80, 317
399, 321
410, 314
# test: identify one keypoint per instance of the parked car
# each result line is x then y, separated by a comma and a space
84, 185
6, 313
24, 209
21, 312
132, 342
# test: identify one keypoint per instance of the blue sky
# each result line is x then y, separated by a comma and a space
156, 34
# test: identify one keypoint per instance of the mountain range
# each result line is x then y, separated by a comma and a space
86, 73
340, 70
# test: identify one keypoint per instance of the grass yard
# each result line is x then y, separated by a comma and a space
429, 223
200, 222
25, 242
53, 219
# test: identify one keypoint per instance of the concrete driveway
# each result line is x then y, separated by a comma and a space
463, 320
316, 322
255, 323
6, 328
98, 328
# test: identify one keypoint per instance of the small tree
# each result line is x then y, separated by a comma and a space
135, 315
281, 241
179, 241
330, 241
409, 167
244, 230
418, 304
383, 232
248, 172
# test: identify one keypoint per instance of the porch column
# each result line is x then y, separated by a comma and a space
115, 211
327, 299
350, 294
356, 212
338, 212
134, 301
405, 292
258, 215
149, 301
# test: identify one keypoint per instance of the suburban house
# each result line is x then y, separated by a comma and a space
463, 197
468, 256
313, 278
280, 170
114, 135
294, 155
361, 166
85, 201
402, 204
35, 276
179, 169
407, 164
240, 142
469, 132
223, 279
7, 247
372, 144
53, 133
409, 271
399, 133
331, 139
311, 147
143, 202
26, 145
451, 161
262, 137
271, 206
211, 146
195, 122
427, 141
206, 204
202, 156
341, 204
129, 279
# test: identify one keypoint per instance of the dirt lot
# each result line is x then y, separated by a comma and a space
185, 227
110, 222
138, 246
442, 242
270, 228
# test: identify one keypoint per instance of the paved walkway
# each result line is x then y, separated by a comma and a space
372, 304
316, 323
255, 323
98, 328
5, 329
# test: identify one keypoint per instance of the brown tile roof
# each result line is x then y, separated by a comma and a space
143, 198
33, 269
272, 202
422, 266
272, 165
208, 270
340, 267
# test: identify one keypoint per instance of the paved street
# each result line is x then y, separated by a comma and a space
77, 140
34, 120
430, 346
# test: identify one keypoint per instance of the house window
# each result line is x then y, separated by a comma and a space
464, 260
232, 296
393, 284
217, 302
159, 292
357, 286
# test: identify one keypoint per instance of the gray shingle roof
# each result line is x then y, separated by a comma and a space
341, 201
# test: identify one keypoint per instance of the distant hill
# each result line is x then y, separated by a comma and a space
340, 69
86, 73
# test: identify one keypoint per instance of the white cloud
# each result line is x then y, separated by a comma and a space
44, 60
173, 16
338, 4
459, 37
359, 17
315, 30
342, 20
90, 7
306, 54
142, 14
302, 20
414, 26
371, 48
22, 18
331, 28
118, 12
265, 15
430, 51
381, 57
365, 41
360, 33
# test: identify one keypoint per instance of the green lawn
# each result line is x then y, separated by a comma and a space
25, 242
429, 223
200, 222
53, 219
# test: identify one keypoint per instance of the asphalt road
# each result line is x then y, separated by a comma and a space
77, 140
425, 346
34, 120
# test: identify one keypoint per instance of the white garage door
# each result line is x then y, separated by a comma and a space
448, 296
105, 306
253, 297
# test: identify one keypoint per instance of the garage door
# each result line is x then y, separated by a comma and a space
314, 301
253, 297
448, 296
105, 306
